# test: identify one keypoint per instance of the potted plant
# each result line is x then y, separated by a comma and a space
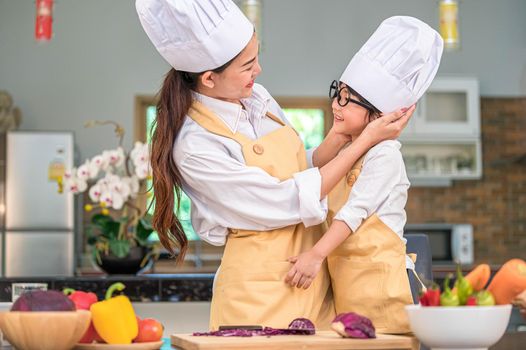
119, 231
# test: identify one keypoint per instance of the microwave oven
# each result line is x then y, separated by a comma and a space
450, 243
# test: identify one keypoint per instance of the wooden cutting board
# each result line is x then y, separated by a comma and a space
134, 346
322, 340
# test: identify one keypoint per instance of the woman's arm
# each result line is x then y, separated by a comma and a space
388, 127
329, 148
227, 193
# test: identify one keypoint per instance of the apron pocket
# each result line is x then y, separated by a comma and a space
359, 287
257, 297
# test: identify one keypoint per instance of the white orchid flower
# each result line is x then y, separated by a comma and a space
68, 174
142, 170
133, 184
116, 157
95, 193
75, 185
112, 199
97, 164
106, 157
140, 154
121, 187
111, 187
83, 172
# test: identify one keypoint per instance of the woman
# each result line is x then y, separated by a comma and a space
226, 143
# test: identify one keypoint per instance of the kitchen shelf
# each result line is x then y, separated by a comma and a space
442, 142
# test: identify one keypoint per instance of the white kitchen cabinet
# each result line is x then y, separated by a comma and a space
450, 107
434, 162
442, 143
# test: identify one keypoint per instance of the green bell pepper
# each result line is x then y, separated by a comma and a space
448, 297
463, 287
485, 298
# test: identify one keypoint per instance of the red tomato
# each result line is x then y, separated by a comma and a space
149, 330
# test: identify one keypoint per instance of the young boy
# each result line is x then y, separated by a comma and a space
364, 244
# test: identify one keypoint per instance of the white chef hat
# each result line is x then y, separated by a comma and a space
394, 68
195, 35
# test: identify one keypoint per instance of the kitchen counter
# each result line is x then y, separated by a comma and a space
141, 288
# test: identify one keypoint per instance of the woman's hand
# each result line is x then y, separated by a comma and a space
340, 139
306, 267
387, 127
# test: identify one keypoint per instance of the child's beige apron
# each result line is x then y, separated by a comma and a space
368, 270
250, 288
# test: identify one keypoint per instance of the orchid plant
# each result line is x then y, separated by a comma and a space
114, 180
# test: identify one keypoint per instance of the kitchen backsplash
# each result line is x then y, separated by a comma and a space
496, 204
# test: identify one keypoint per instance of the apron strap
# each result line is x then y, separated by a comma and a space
275, 118
411, 259
211, 122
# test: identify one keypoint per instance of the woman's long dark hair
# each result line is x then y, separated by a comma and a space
175, 99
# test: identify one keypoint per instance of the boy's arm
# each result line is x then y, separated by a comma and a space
337, 233
308, 264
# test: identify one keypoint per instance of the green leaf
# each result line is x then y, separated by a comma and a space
144, 230
100, 220
120, 248
111, 230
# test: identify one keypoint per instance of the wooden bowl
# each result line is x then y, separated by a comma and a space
47, 330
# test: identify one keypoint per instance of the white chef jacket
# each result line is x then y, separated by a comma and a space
225, 192
380, 188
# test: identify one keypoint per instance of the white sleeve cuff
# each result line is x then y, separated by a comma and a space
312, 210
310, 153
350, 218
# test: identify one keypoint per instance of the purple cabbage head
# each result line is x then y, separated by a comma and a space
352, 325
303, 324
43, 300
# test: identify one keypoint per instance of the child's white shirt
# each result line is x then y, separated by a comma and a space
381, 188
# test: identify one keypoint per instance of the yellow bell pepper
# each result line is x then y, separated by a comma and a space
114, 318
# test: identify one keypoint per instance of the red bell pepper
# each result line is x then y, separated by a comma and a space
83, 301
431, 297
471, 301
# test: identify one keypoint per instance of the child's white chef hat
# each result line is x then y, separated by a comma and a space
195, 35
394, 68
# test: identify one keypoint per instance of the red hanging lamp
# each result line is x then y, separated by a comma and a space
44, 20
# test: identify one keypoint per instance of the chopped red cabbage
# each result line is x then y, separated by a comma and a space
299, 326
353, 325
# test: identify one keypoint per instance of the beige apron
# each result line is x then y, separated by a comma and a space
249, 287
368, 270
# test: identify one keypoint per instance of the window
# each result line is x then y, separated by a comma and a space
184, 208
311, 117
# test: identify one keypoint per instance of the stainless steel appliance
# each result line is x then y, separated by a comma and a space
37, 222
450, 243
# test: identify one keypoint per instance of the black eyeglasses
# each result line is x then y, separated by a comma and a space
343, 96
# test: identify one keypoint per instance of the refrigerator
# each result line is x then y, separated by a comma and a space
37, 222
